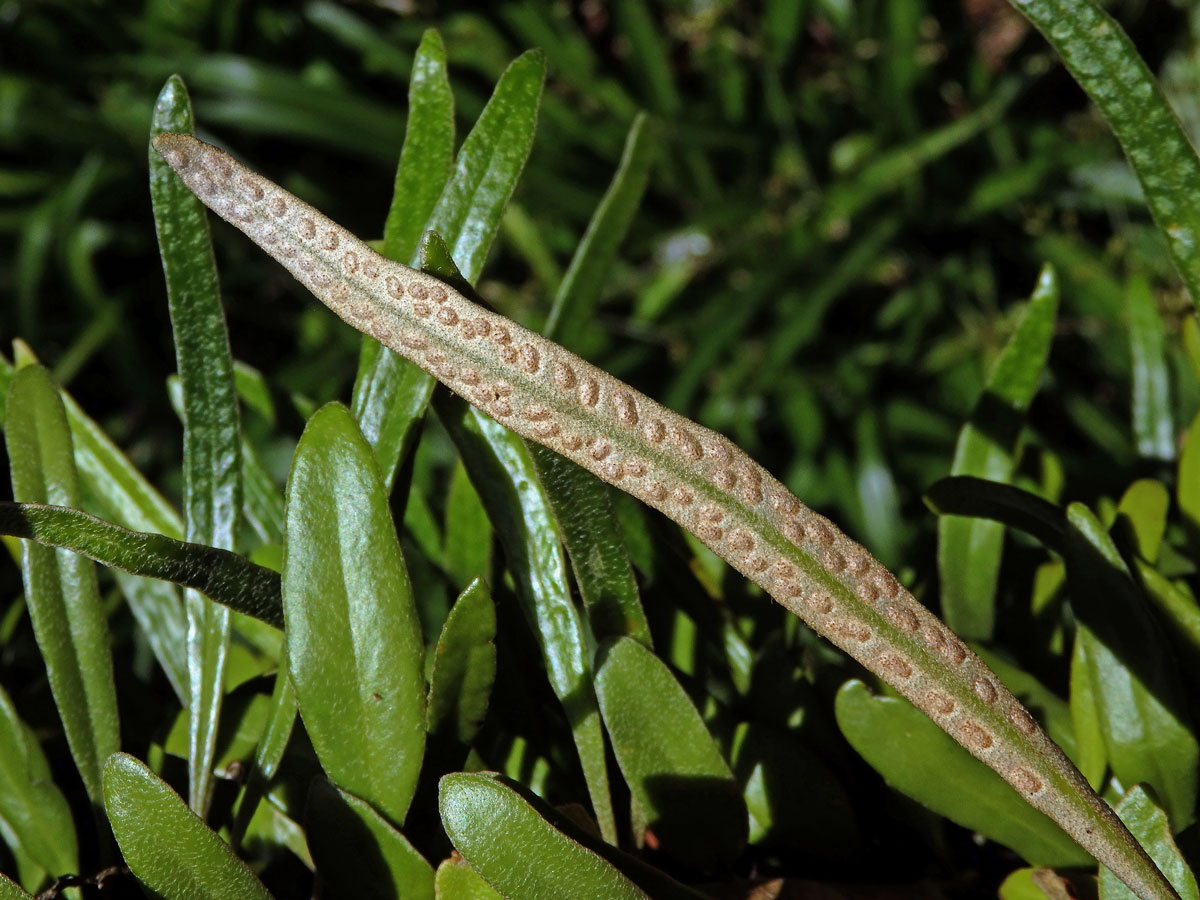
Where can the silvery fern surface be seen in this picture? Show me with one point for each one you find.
(693, 475)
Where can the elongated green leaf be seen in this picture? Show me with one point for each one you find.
(10, 890)
(517, 851)
(592, 536)
(1106, 64)
(1176, 604)
(581, 286)
(695, 476)
(168, 847)
(969, 549)
(115, 489)
(353, 638)
(1153, 423)
(225, 577)
(272, 743)
(390, 393)
(502, 470)
(679, 781)
(464, 666)
(920, 761)
(1188, 480)
(211, 435)
(1148, 823)
(358, 853)
(60, 587)
(1091, 755)
(34, 815)
(467, 537)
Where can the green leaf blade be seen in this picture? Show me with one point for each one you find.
(354, 642)
(211, 429)
(61, 588)
(167, 846)
(464, 666)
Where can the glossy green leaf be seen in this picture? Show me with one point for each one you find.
(517, 851)
(225, 577)
(920, 761)
(212, 496)
(591, 533)
(113, 488)
(969, 550)
(502, 470)
(353, 638)
(358, 854)
(167, 846)
(1153, 422)
(455, 880)
(1091, 754)
(60, 587)
(580, 288)
(677, 776)
(1106, 64)
(34, 815)
(390, 393)
(1148, 823)
(464, 666)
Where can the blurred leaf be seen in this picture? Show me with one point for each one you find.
(358, 853)
(1153, 424)
(1188, 480)
(353, 638)
(1104, 61)
(34, 815)
(676, 774)
(517, 851)
(61, 590)
(921, 761)
(969, 550)
(576, 298)
(170, 849)
(225, 577)
(1091, 753)
(464, 666)
(1149, 825)
(211, 434)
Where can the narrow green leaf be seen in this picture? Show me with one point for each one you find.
(1153, 422)
(272, 743)
(167, 846)
(1148, 823)
(34, 815)
(353, 638)
(211, 434)
(112, 487)
(517, 851)
(1187, 490)
(10, 890)
(581, 286)
(502, 470)
(969, 550)
(1102, 58)
(1176, 604)
(464, 666)
(60, 587)
(455, 880)
(225, 577)
(1091, 754)
(582, 505)
(358, 854)
(390, 393)
(920, 761)
(678, 779)
(467, 537)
